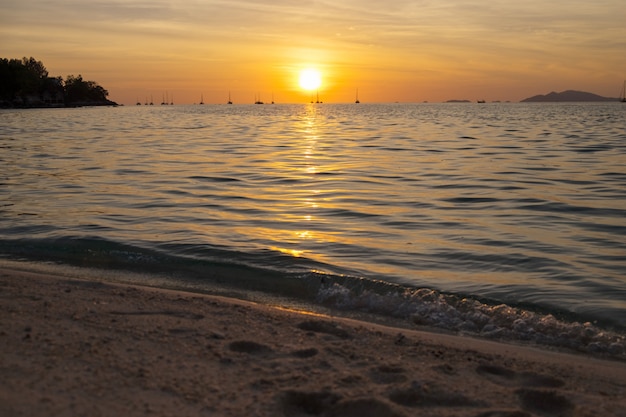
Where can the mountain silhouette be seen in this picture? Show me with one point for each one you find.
(569, 95)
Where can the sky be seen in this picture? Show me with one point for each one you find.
(400, 50)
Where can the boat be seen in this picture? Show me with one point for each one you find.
(357, 97)
(229, 100)
(201, 99)
(622, 96)
(480, 101)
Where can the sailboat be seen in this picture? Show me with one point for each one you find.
(201, 99)
(357, 97)
(229, 100)
(622, 96)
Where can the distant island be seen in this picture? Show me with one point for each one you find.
(565, 96)
(24, 83)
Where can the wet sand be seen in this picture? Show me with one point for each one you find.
(70, 347)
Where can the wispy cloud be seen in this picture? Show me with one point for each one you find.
(496, 38)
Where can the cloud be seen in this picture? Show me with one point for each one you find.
(497, 38)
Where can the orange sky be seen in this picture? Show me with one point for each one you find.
(407, 51)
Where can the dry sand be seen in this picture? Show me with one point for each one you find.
(81, 348)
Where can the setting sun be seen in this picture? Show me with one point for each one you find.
(310, 79)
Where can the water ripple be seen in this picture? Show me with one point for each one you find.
(503, 201)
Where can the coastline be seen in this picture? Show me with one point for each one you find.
(36, 105)
(76, 347)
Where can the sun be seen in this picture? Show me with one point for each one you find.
(310, 79)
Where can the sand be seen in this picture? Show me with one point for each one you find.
(70, 347)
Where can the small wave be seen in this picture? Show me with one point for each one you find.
(205, 268)
(471, 200)
(214, 179)
(555, 207)
(591, 149)
(430, 308)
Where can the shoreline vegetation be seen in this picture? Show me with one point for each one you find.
(25, 83)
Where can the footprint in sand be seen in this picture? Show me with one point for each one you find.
(249, 347)
(320, 326)
(508, 377)
(545, 403)
(506, 413)
(430, 395)
(541, 402)
(309, 403)
(329, 404)
(364, 407)
(386, 374)
(305, 353)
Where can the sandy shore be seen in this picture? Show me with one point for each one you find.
(79, 348)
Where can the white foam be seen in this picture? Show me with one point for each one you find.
(427, 307)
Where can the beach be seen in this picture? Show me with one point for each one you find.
(72, 347)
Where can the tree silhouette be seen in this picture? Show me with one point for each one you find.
(20, 79)
(79, 91)
(26, 83)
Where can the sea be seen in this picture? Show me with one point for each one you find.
(504, 221)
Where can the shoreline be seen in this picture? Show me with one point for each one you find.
(75, 347)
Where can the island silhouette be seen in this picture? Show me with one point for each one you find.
(553, 97)
(567, 96)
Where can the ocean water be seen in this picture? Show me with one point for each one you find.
(501, 220)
